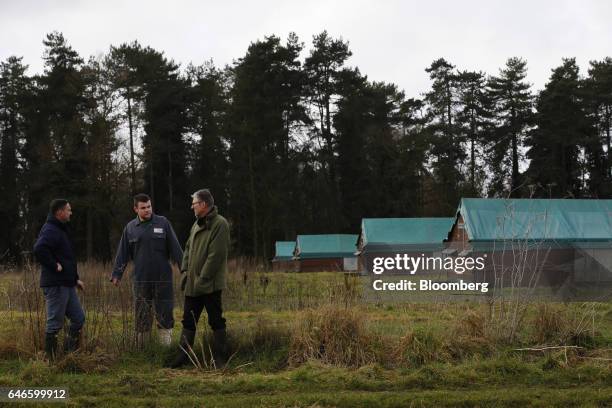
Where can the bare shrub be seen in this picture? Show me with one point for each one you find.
(565, 324)
(518, 261)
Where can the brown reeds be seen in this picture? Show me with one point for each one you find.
(332, 335)
(327, 323)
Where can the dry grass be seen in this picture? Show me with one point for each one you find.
(81, 362)
(555, 324)
(415, 349)
(548, 324)
(294, 319)
(332, 335)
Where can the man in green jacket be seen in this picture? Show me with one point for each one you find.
(203, 271)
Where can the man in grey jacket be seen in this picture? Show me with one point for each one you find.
(149, 241)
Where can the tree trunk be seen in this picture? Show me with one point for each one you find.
(151, 174)
(89, 234)
(170, 189)
(608, 168)
(473, 154)
(132, 163)
(253, 203)
(515, 159)
(515, 169)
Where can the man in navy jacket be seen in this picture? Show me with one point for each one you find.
(150, 243)
(59, 278)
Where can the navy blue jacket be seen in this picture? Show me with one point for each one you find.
(51, 247)
(150, 245)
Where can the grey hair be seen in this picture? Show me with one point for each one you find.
(204, 195)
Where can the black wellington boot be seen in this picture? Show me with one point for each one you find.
(186, 343)
(72, 341)
(220, 348)
(51, 346)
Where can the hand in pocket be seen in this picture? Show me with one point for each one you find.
(183, 281)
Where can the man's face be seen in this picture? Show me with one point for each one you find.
(199, 207)
(144, 210)
(63, 214)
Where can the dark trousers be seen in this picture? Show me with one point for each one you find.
(194, 306)
(149, 296)
(62, 302)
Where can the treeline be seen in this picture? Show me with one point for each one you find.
(288, 140)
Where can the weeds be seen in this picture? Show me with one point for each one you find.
(295, 318)
(332, 335)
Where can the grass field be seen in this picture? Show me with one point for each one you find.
(309, 340)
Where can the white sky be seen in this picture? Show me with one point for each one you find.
(392, 41)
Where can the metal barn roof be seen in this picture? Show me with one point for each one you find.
(325, 246)
(569, 220)
(283, 250)
(393, 233)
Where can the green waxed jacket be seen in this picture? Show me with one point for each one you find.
(204, 263)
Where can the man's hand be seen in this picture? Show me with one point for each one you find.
(59, 267)
(115, 281)
(80, 285)
(183, 280)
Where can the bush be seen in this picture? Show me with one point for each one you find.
(332, 335)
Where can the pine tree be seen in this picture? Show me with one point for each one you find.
(474, 122)
(351, 122)
(562, 128)
(165, 124)
(446, 140)
(125, 67)
(108, 181)
(14, 89)
(512, 109)
(207, 112)
(598, 149)
(323, 68)
(411, 166)
(266, 110)
(57, 162)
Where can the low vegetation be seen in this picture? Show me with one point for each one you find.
(310, 340)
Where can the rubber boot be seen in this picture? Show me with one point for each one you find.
(186, 344)
(51, 346)
(165, 336)
(72, 341)
(220, 348)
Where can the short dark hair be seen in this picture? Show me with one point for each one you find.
(204, 195)
(141, 198)
(56, 205)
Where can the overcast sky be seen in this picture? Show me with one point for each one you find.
(392, 41)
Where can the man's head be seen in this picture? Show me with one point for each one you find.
(202, 202)
(142, 206)
(60, 209)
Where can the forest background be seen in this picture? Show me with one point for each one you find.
(289, 138)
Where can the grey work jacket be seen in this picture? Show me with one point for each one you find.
(150, 245)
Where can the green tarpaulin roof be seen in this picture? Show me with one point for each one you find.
(284, 250)
(537, 219)
(394, 232)
(326, 246)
